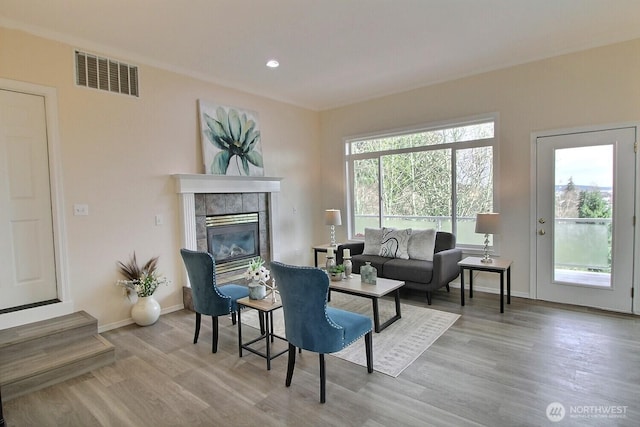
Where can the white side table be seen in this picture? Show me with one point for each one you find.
(499, 265)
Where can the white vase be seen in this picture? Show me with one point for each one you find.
(146, 311)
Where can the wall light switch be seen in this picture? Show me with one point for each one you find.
(79, 209)
(159, 219)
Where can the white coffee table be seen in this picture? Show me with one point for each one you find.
(353, 286)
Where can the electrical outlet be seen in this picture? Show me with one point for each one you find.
(80, 210)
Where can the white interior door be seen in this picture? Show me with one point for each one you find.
(27, 261)
(585, 218)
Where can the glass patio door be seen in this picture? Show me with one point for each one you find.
(584, 218)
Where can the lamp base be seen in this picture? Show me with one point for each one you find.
(332, 237)
(485, 258)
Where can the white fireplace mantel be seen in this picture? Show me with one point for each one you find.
(194, 183)
(187, 185)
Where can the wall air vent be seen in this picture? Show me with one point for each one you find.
(106, 74)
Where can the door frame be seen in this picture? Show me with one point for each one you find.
(533, 293)
(65, 306)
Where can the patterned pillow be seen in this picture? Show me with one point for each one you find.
(422, 243)
(372, 239)
(395, 243)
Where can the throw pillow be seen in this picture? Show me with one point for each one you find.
(422, 243)
(372, 239)
(395, 243)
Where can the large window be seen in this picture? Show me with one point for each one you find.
(432, 177)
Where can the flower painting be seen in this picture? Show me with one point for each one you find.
(230, 141)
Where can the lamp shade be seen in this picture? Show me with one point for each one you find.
(488, 223)
(332, 217)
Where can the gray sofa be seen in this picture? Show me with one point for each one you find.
(417, 274)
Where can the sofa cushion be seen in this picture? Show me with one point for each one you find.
(408, 270)
(372, 241)
(444, 241)
(395, 243)
(422, 244)
(375, 260)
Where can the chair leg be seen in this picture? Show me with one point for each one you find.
(214, 344)
(429, 298)
(233, 317)
(198, 318)
(323, 379)
(448, 289)
(291, 364)
(368, 345)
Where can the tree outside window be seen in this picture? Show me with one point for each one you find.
(419, 179)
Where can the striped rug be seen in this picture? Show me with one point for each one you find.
(396, 347)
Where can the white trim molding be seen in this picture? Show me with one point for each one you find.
(65, 306)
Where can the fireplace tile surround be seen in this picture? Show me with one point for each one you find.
(207, 204)
(202, 195)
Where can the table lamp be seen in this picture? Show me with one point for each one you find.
(487, 223)
(332, 218)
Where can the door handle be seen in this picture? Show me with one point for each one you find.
(542, 232)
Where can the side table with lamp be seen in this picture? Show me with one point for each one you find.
(487, 223)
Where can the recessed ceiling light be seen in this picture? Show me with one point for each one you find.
(272, 63)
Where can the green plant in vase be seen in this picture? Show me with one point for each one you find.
(337, 272)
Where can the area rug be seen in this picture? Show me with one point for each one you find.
(397, 346)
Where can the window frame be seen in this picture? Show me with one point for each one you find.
(453, 146)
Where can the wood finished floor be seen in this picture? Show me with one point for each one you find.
(489, 369)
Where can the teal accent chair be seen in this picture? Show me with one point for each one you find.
(310, 324)
(208, 298)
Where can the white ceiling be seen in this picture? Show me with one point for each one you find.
(332, 52)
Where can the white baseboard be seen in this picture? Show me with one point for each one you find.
(129, 321)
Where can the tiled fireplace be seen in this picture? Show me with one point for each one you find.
(231, 204)
(233, 227)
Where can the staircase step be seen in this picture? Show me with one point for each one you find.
(19, 341)
(54, 364)
(44, 353)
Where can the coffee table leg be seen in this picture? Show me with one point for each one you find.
(376, 315)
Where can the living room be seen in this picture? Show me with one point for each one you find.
(117, 154)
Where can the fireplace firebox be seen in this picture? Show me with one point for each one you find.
(232, 239)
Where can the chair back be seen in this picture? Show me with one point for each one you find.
(201, 269)
(304, 292)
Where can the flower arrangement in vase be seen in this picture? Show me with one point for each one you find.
(258, 276)
(143, 282)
